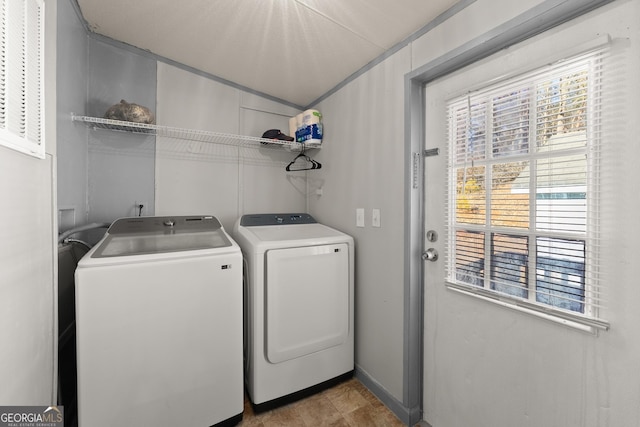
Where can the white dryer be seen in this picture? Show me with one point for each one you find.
(299, 301)
(159, 325)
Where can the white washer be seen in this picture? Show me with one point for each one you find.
(298, 305)
(159, 325)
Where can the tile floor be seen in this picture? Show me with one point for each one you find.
(348, 404)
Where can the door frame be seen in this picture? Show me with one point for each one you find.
(546, 15)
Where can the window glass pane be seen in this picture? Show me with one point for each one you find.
(561, 107)
(561, 198)
(511, 123)
(560, 277)
(509, 264)
(470, 130)
(510, 195)
(471, 195)
(470, 257)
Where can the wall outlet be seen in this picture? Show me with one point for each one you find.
(360, 217)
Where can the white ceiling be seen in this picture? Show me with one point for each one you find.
(293, 50)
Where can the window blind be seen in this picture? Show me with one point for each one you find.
(524, 189)
(21, 75)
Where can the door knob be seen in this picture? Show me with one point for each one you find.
(430, 255)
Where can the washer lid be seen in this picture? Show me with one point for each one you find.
(141, 244)
(154, 235)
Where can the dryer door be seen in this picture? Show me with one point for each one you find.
(306, 300)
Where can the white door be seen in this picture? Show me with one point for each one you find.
(434, 228)
(479, 367)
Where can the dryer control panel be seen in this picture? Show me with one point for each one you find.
(276, 219)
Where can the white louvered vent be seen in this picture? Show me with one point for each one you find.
(21, 75)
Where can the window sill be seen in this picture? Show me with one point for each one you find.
(571, 320)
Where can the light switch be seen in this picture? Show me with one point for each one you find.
(360, 217)
(375, 218)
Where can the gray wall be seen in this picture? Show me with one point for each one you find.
(121, 165)
(223, 180)
(28, 326)
(72, 82)
(363, 163)
(101, 174)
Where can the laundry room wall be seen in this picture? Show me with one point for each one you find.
(363, 162)
(73, 48)
(28, 323)
(121, 164)
(101, 173)
(224, 180)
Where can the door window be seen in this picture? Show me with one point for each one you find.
(523, 188)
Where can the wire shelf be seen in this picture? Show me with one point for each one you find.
(187, 134)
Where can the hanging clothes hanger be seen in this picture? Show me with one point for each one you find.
(305, 164)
